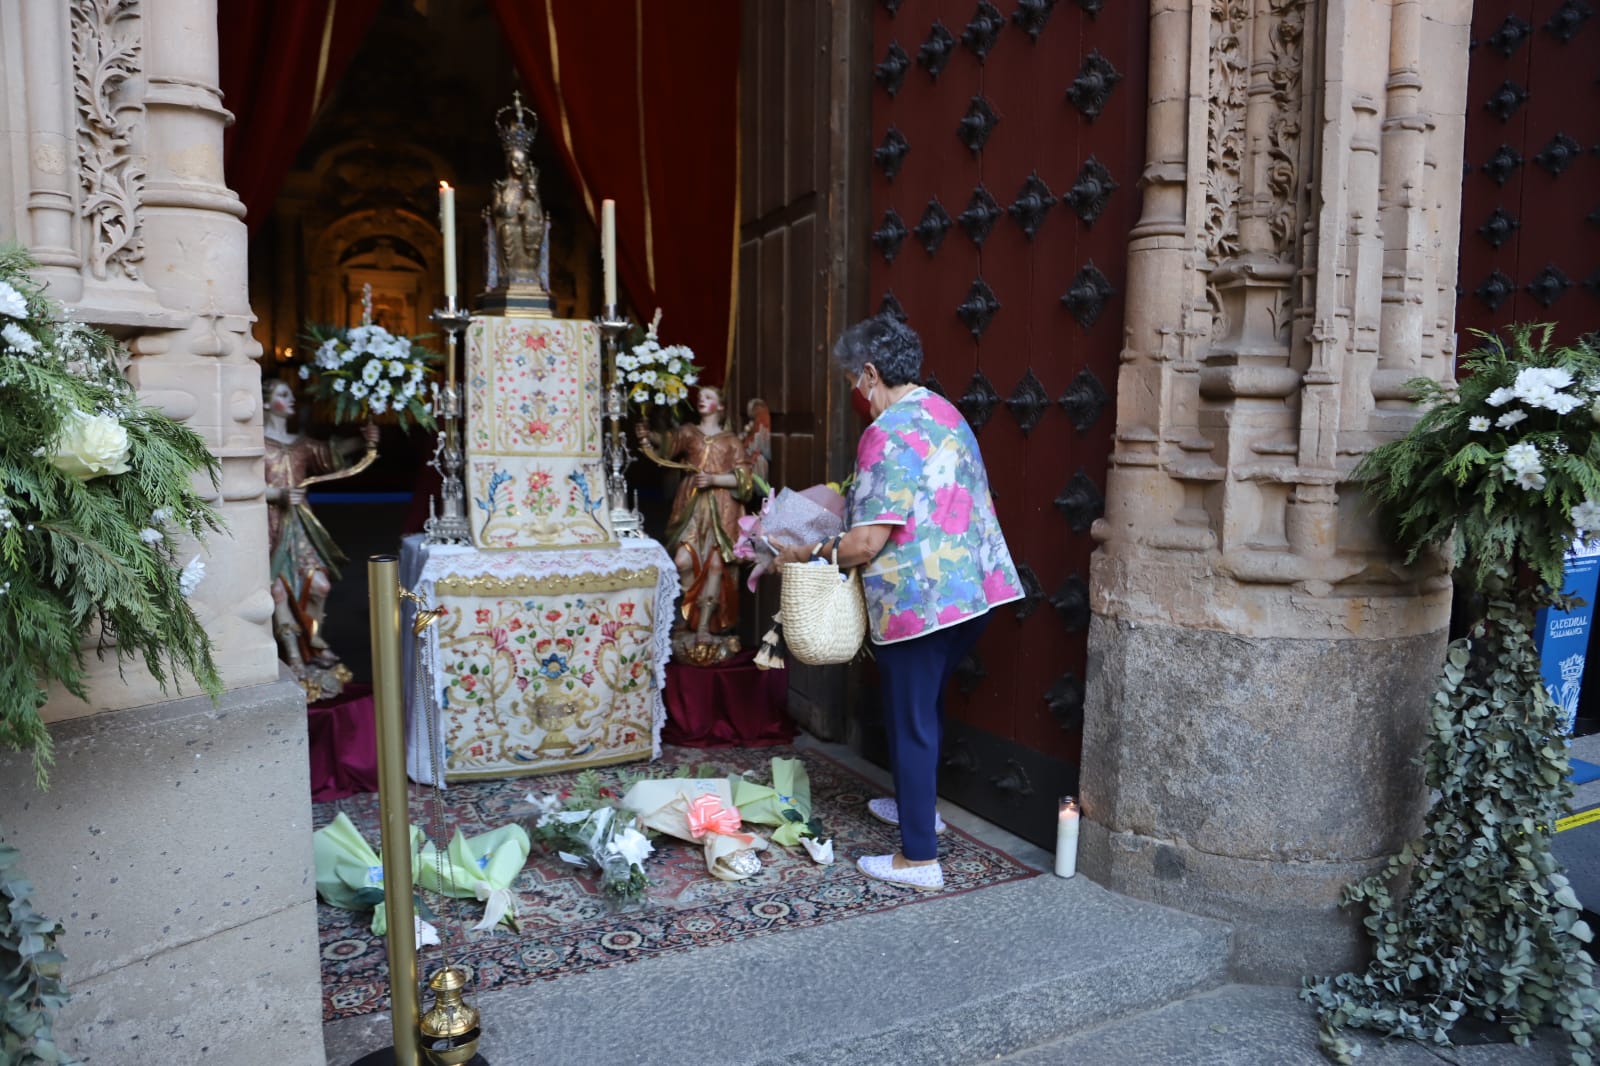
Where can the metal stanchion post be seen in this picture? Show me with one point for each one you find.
(383, 599)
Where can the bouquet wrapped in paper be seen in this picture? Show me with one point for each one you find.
(785, 803)
(699, 811)
(482, 866)
(349, 872)
(589, 828)
(790, 517)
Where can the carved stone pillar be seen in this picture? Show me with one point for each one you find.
(164, 265)
(1259, 658)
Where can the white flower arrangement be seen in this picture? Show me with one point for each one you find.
(656, 376)
(1507, 460)
(367, 371)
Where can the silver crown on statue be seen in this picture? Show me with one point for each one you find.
(516, 133)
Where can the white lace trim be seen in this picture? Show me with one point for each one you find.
(631, 554)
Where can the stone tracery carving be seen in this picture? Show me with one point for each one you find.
(1287, 54)
(1225, 127)
(106, 53)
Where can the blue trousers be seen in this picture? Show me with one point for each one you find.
(914, 674)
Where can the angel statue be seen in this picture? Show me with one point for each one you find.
(305, 560)
(721, 470)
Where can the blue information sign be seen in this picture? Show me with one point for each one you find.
(1563, 641)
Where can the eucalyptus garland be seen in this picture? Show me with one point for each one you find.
(96, 492)
(1475, 918)
(31, 990)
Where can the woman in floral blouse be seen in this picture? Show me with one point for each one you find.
(934, 563)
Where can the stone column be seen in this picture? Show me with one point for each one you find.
(1260, 659)
(164, 265)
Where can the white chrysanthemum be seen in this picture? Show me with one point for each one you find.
(360, 335)
(1532, 378)
(409, 389)
(661, 399)
(12, 302)
(19, 339)
(1478, 423)
(358, 389)
(1586, 517)
(159, 515)
(371, 372)
(328, 354)
(1523, 456)
(151, 536)
(1500, 397)
(1510, 418)
(382, 388)
(194, 572)
(1565, 403)
(690, 379)
(397, 369)
(378, 404)
(305, 372)
(1531, 480)
(338, 384)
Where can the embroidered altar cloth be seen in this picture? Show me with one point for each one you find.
(544, 660)
(533, 441)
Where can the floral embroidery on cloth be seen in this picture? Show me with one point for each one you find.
(918, 468)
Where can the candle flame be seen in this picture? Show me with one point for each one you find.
(444, 186)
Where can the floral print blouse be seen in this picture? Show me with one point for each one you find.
(918, 468)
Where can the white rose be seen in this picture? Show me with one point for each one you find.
(91, 445)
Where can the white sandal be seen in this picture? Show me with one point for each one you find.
(928, 877)
(886, 809)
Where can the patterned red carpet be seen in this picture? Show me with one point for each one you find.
(567, 927)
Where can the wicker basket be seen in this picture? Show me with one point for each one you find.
(824, 612)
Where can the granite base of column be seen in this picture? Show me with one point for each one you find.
(1250, 779)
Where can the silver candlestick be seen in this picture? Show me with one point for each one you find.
(447, 513)
(625, 520)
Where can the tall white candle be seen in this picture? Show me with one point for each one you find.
(608, 248)
(1067, 838)
(447, 226)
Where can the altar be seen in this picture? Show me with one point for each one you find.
(542, 661)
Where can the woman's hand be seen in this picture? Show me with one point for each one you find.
(796, 553)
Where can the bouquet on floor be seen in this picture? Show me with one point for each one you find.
(590, 828)
(699, 811)
(480, 867)
(785, 802)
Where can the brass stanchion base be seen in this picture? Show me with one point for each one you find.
(385, 1057)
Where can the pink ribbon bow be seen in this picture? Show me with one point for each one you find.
(708, 815)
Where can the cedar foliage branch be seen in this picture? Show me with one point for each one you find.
(1475, 918)
(80, 559)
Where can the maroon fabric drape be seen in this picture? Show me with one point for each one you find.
(643, 101)
(343, 742)
(734, 704)
(270, 52)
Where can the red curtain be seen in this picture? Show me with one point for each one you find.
(280, 60)
(643, 101)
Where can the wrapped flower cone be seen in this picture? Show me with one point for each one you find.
(699, 811)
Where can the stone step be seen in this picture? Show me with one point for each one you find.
(954, 980)
(1249, 1025)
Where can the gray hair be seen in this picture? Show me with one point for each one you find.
(887, 343)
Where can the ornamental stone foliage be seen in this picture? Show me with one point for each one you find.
(1475, 918)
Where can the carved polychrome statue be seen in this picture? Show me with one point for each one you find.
(305, 560)
(704, 525)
